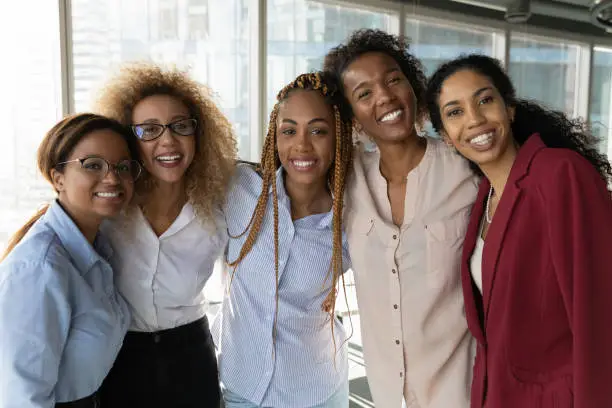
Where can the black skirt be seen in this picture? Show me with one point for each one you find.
(171, 368)
(93, 401)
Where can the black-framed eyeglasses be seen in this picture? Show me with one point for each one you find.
(151, 131)
(127, 170)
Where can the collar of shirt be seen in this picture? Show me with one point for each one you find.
(81, 251)
(315, 221)
(185, 217)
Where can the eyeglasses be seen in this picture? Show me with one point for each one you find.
(151, 131)
(127, 170)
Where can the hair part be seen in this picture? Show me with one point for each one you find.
(337, 176)
(554, 127)
(366, 41)
(58, 144)
(208, 177)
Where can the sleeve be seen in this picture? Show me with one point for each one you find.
(580, 233)
(35, 318)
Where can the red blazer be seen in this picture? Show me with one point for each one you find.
(544, 321)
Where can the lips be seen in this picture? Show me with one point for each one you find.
(303, 164)
(391, 116)
(169, 157)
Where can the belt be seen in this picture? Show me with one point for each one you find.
(93, 401)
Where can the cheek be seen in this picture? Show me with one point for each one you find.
(78, 185)
(146, 151)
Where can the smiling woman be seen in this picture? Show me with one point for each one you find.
(188, 151)
(536, 259)
(56, 293)
(407, 207)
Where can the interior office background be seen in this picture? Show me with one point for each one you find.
(56, 54)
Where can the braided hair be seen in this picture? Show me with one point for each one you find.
(270, 162)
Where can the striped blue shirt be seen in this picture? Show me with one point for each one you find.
(61, 321)
(300, 369)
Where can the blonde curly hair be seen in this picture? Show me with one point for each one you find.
(208, 177)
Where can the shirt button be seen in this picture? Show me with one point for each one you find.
(394, 236)
(397, 342)
(395, 306)
(393, 271)
(401, 374)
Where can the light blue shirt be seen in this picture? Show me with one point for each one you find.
(61, 320)
(300, 369)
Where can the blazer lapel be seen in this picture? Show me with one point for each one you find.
(472, 297)
(497, 230)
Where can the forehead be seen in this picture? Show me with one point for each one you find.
(463, 84)
(159, 107)
(104, 143)
(304, 105)
(367, 66)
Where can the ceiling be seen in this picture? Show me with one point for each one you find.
(565, 15)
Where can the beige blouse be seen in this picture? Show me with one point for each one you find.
(416, 342)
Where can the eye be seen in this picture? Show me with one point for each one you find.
(486, 99)
(124, 167)
(318, 131)
(288, 131)
(454, 112)
(394, 80)
(363, 94)
(148, 129)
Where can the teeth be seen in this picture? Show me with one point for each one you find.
(482, 139)
(303, 163)
(169, 158)
(108, 195)
(391, 115)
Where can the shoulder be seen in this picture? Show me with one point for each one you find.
(38, 262)
(551, 164)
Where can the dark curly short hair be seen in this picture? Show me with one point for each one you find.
(372, 40)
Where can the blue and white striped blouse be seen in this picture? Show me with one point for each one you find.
(300, 369)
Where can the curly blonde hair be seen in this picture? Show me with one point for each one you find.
(208, 177)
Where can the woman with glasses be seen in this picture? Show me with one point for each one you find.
(61, 320)
(165, 247)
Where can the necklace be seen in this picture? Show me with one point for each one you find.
(489, 218)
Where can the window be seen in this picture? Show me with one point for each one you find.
(435, 42)
(210, 38)
(545, 70)
(601, 94)
(31, 106)
(300, 32)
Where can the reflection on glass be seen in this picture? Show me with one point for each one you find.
(300, 32)
(435, 43)
(31, 106)
(209, 37)
(601, 92)
(545, 71)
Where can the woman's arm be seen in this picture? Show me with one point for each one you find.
(580, 233)
(34, 322)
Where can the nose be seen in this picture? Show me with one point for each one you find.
(384, 96)
(111, 177)
(167, 137)
(475, 117)
(304, 142)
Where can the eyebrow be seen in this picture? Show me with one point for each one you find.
(173, 119)
(477, 93)
(362, 83)
(310, 122)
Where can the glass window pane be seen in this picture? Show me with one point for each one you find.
(435, 43)
(545, 71)
(31, 106)
(209, 37)
(300, 32)
(601, 92)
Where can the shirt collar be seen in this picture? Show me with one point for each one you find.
(316, 221)
(82, 253)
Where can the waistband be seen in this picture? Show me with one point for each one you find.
(93, 401)
(194, 331)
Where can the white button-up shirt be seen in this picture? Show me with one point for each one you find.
(162, 278)
(416, 343)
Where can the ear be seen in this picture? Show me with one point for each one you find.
(511, 113)
(57, 178)
(446, 139)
